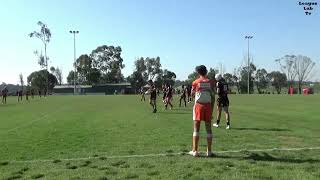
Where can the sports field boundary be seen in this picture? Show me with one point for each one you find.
(159, 155)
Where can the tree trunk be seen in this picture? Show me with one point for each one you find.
(299, 85)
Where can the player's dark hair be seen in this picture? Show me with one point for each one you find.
(202, 70)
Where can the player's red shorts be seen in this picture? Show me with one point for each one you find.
(202, 112)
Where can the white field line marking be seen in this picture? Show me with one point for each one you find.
(43, 116)
(163, 154)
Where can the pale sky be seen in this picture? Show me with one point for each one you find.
(184, 33)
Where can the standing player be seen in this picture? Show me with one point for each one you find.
(4, 95)
(183, 96)
(158, 91)
(40, 93)
(142, 92)
(169, 94)
(27, 95)
(203, 88)
(222, 101)
(164, 90)
(189, 93)
(153, 96)
(20, 93)
(32, 93)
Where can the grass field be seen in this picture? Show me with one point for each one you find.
(117, 137)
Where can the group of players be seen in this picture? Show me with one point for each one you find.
(203, 91)
(168, 92)
(5, 92)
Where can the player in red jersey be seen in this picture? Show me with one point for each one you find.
(203, 89)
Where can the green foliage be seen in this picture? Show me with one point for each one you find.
(109, 61)
(191, 77)
(103, 65)
(297, 67)
(87, 74)
(212, 73)
(52, 69)
(278, 80)
(70, 78)
(150, 68)
(41, 59)
(153, 67)
(229, 79)
(93, 77)
(244, 79)
(38, 80)
(136, 80)
(168, 77)
(261, 80)
(58, 74)
(45, 36)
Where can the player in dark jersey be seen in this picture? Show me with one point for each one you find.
(4, 95)
(222, 101)
(153, 96)
(189, 94)
(32, 93)
(183, 96)
(169, 95)
(142, 92)
(27, 95)
(20, 93)
(40, 93)
(164, 89)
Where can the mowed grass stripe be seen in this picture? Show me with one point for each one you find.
(202, 154)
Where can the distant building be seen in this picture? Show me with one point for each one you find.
(121, 88)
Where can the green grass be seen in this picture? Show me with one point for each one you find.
(38, 136)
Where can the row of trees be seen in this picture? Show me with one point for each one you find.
(104, 65)
(299, 68)
(294, 69)
(150, 68)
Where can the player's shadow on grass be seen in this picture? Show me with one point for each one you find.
(260, 129)
(269, 158)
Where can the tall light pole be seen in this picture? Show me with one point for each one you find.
(248, 37)
(74, 54)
